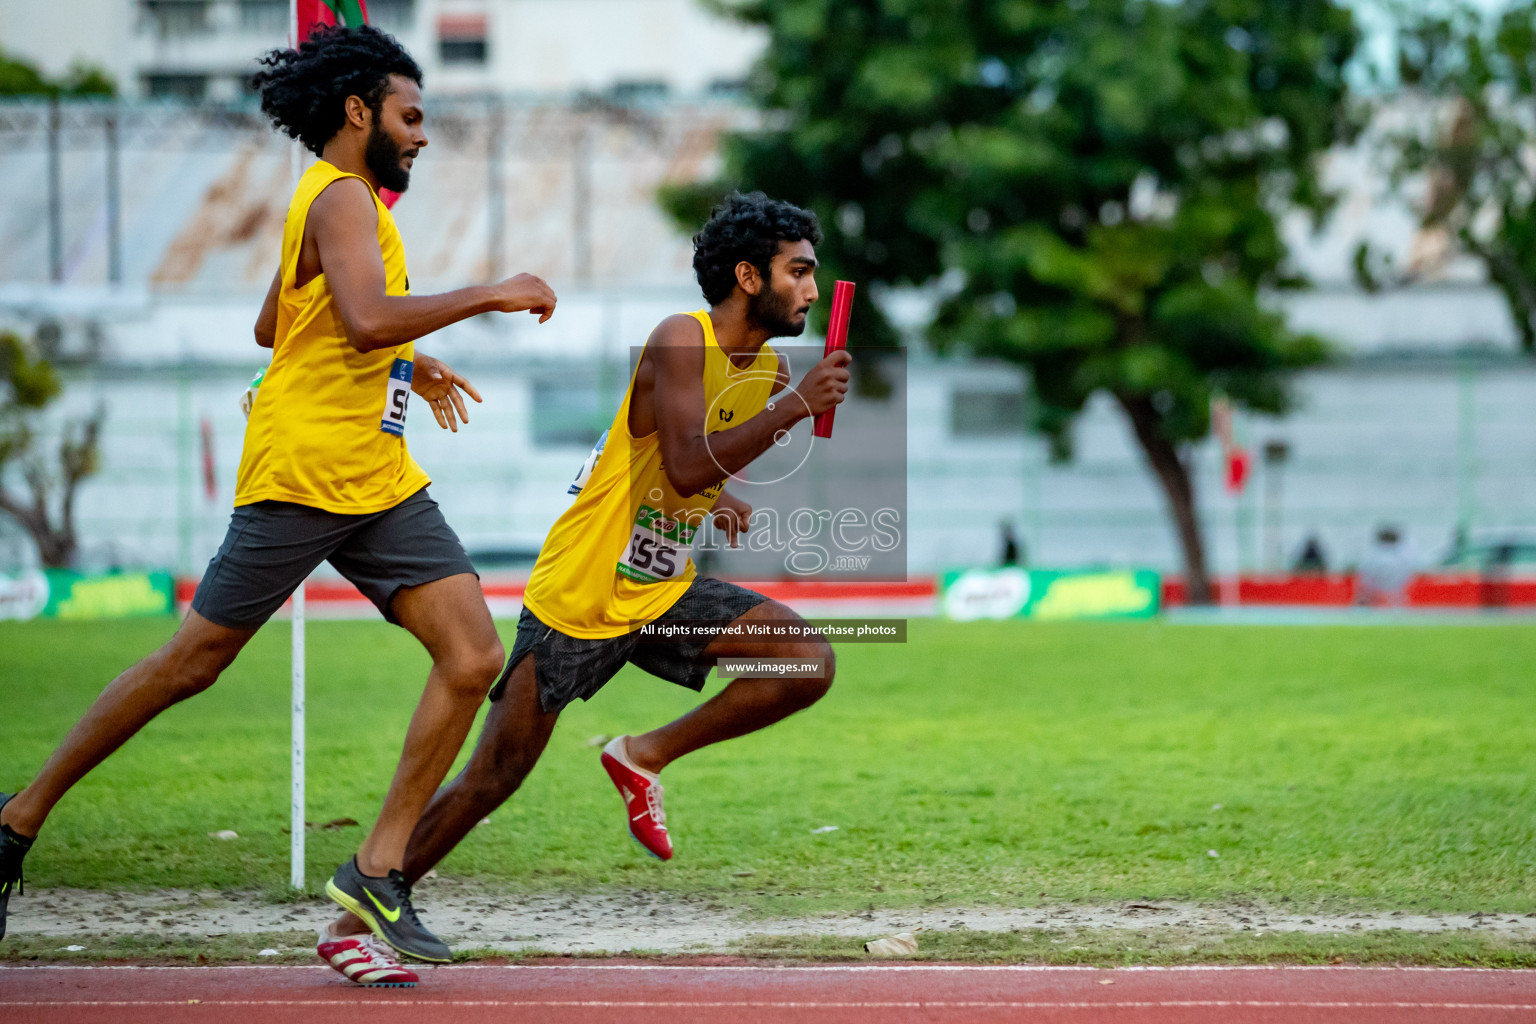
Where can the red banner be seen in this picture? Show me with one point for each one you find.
(325, 12)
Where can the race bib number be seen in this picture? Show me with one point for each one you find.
(658, 547)
(397, 394)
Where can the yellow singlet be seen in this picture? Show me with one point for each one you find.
(618, 558)
(328, 426)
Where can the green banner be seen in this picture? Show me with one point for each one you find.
(1050, 595)
(60, 594)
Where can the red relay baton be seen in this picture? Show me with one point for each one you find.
(837, 338)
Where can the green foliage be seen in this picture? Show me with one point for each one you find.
(1106, 175)
(21, 78)
(1472, 74)
(978, 765)
(1097, 184)
(26, 385)
(88, 80)
(29, 384)
(18, 78)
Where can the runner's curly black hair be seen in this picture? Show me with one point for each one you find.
(304, 91)
(746, 227)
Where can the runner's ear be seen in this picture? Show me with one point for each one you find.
(358, 113)
(748, 277)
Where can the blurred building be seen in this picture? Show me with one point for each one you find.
(205, 49)
(137, 240)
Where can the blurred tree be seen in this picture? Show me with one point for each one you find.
(1469, 79)
(19, 78)
(1094, 184)
(27, 386)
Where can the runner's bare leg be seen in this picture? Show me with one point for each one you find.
(189, 663)
(450, 618)
(516, 730)
(745, 705)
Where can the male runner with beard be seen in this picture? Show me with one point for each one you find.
(325, 476)
(699, 409)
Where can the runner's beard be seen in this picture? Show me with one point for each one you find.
(383, 159)
(775, 313)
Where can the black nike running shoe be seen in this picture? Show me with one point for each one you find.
(13, 848)
(384, 904)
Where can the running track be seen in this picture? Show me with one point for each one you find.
(567, 994)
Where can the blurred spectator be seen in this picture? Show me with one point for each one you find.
(1312, 560)
(1495, 576)
(1386, 570)
(1012, 552)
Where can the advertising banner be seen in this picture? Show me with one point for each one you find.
(60, 594)
(1050, 595)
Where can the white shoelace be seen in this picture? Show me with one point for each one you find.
(380, 956)
(653, 804)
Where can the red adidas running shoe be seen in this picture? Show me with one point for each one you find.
(642, 792)
(364, 960)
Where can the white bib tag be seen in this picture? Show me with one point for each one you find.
(397, 394)
(658, 547)
(585, 472)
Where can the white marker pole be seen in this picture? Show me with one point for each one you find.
(296, 846)
(296, 810)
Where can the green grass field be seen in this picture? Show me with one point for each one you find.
(977, 764)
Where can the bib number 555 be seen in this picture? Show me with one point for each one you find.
(646, 554)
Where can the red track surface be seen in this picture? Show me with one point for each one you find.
(772, 995)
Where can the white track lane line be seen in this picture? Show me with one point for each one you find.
(637, 1004)
(805, 968)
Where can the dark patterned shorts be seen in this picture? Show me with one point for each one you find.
(569, 667)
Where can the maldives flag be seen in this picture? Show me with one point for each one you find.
(309, 14)
(350, 13)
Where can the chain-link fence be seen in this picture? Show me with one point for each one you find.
(190, 199)
(136, 241)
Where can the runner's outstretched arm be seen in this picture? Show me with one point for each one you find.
(433, 380)
(343, 230)
(676, 355)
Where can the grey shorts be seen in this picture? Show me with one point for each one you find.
(272, 546)
(568, 667)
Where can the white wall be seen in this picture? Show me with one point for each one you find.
(568, 45)
(535, 46)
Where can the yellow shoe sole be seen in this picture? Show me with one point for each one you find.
(351, 906)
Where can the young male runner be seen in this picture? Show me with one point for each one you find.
(700, 407)
(325, 474)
